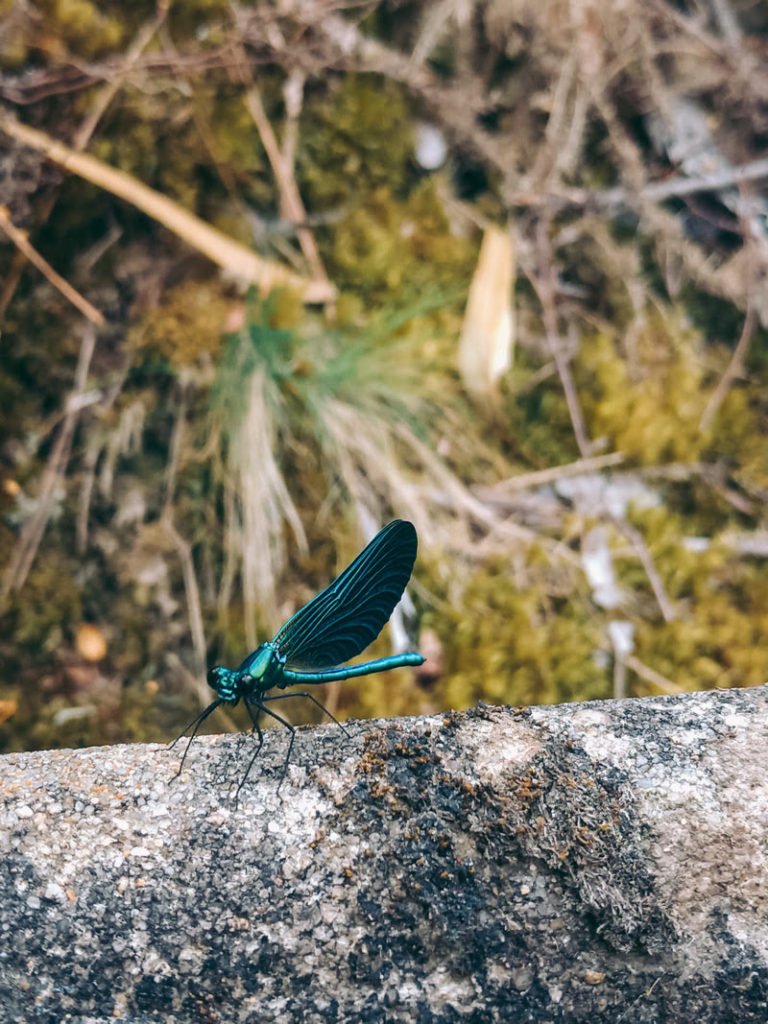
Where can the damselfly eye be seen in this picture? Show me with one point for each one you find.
(213, 676)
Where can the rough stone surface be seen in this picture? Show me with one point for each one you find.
(587, 862)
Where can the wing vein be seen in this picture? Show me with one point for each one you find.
(348, 615)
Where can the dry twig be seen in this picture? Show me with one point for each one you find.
(734, 369)
(24, 246)
(84, 134)
(650, 675)
(543, 282)
(666, 607)
(292, 207)
(237, 260)
(542, 477)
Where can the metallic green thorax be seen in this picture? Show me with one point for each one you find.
(261, 671)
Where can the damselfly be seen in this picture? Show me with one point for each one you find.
(337, 624)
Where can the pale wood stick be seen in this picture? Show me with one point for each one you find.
(236, 259)
(23, 244)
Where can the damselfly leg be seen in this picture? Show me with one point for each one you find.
(259, 706)
(323, 708)
(196, 723)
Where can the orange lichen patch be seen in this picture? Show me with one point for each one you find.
(90, 642)
(594, 977)
(8, 709)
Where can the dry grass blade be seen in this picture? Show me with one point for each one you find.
(53, 477)
(370, 453)
(544, 285)
(124, 439)
(94, 447)
(194, 606)
(263, 503)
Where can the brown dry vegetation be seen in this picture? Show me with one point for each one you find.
(238, 334)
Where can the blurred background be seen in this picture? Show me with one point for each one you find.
(274, 274)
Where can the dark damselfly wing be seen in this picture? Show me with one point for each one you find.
(349, 614)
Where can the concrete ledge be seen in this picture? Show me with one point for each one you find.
(586, 862)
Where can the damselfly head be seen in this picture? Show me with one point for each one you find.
(224, 681)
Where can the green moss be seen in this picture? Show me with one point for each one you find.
(642, 386)
(14, 49)
(50, 604)
(651, 410)
(356, 137)
(229, 132)
(737, 436)
(685, 572)
(719, 635)
(539, 432)
(194, 18)
(86, 28)
(388, 250)
(187, 325)
(517, 645)
(721, 638)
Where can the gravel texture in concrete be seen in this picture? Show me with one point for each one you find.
(586, 862)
